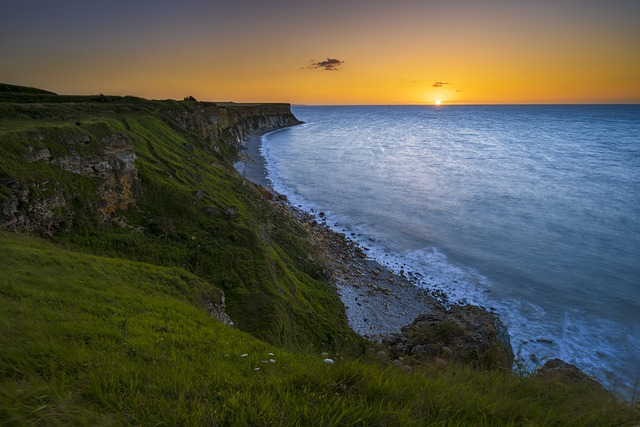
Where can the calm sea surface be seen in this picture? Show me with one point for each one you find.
(532, 211)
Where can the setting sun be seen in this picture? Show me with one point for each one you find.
(538, 52)
(438, 102)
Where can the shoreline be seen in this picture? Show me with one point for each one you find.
(377, 301)
(251, 164)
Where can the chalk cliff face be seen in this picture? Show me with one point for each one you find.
(232, 123)
(112, 167)
(104, 162)
(46, 206)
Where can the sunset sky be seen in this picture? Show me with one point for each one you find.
(327, 52)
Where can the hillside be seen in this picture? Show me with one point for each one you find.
(130, 243)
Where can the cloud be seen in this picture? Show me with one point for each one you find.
(439, 84)
(330, 64)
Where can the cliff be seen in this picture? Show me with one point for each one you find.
(231, 122)
(153, 242)
(107, 159)
(72, 168)
(153, 181)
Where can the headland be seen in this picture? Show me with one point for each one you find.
(130, 245)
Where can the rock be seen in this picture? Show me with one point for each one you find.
(216, 309)
(112, 165)
(231, 212)
(328, 361)
(566, 373)
(463, 334)
(42, 154)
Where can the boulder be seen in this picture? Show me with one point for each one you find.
(463, 334)
(565, 373)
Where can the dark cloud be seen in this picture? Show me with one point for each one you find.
(330, 64)
(439, 84)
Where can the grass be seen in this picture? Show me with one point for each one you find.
(106, 324)
(195, 213)
(90, 340)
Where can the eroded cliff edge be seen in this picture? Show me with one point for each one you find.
(84, 166)
(102, 159)
(153, 182)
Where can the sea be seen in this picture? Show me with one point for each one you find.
(531, 211)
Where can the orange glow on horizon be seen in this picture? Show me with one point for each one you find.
(457, 52)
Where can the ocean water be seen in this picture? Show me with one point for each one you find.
(530, 211)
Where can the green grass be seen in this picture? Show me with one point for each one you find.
(106, 324)
(89, 340)
(196, 213)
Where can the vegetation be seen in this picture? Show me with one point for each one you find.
(102, 341)
(7, 88)
(107, 323)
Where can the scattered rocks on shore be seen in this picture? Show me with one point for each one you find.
(377, 301)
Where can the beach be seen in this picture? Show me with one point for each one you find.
(377, 301)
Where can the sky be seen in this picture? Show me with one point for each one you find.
(329, 51)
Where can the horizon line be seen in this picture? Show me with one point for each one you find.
(445, 104)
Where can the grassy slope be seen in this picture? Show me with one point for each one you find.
(102, 341)
(125, 339)
(229, 235)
